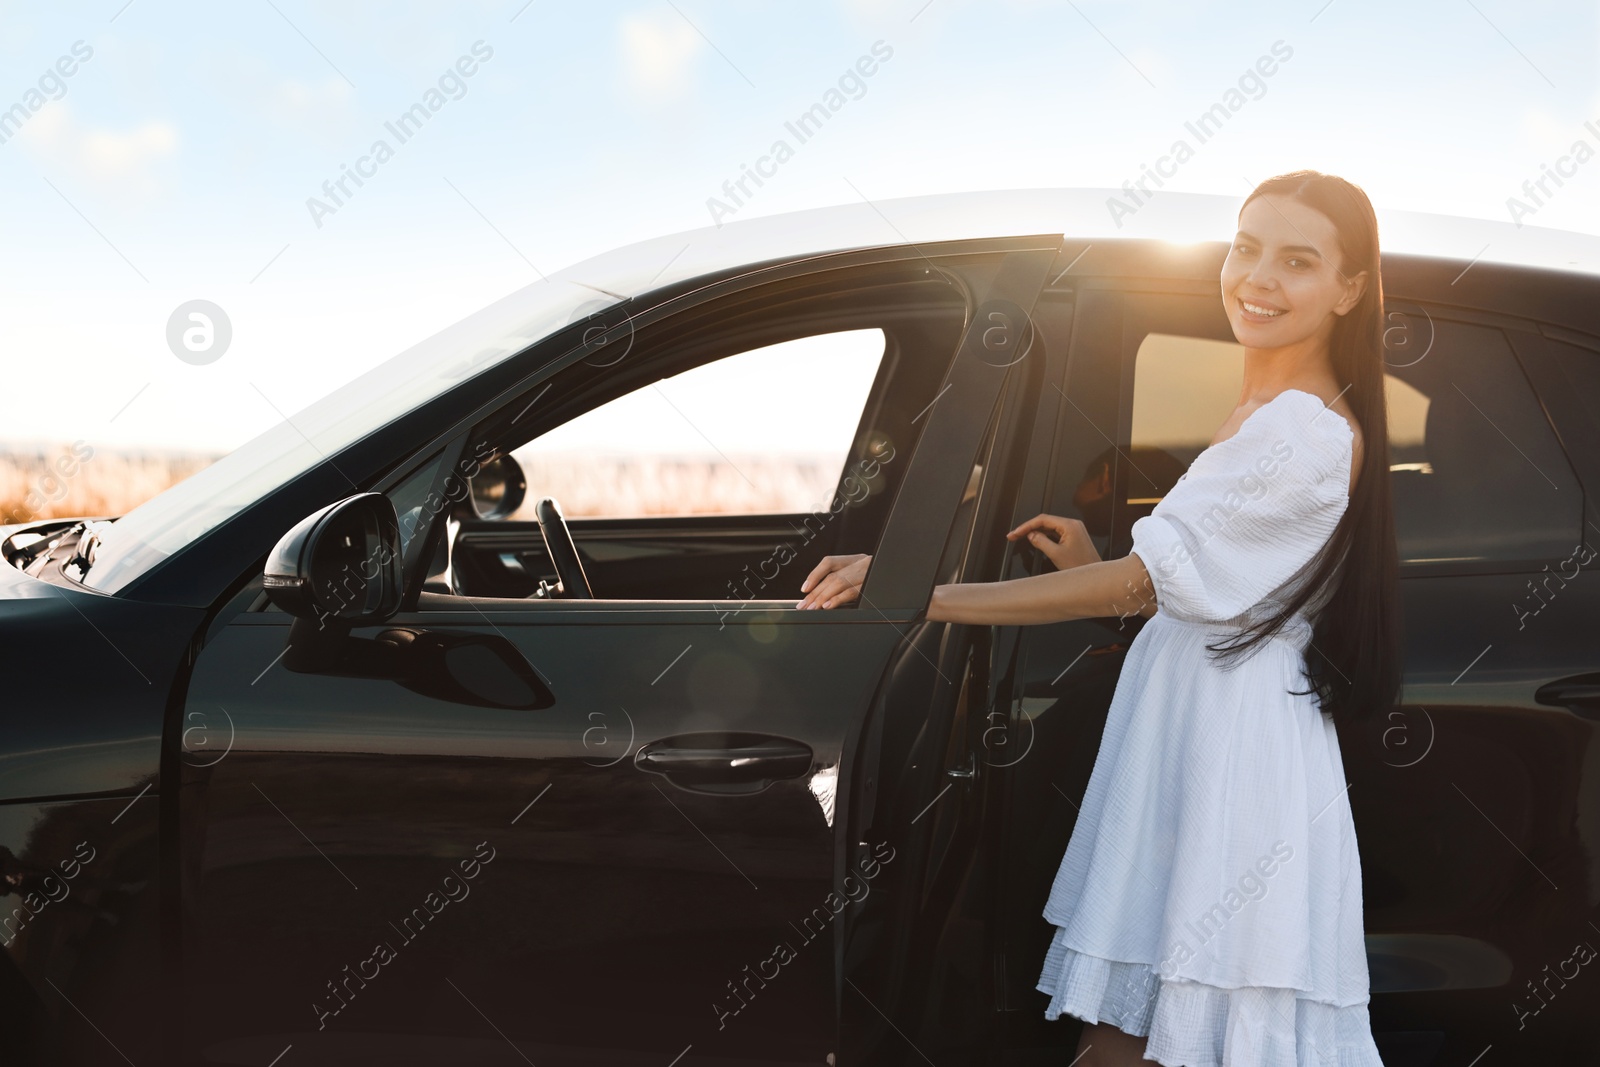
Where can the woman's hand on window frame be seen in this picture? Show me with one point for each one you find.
(834, 582)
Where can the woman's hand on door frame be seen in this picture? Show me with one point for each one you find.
(1065, 542)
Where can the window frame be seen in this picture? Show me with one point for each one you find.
(960, 269)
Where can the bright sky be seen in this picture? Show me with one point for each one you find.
(175, 161)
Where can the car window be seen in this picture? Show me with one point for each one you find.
(1478, 474)
(765, 431)
(415, 500)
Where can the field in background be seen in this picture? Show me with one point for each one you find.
(61, 480)
(587, 484)
(57, 481)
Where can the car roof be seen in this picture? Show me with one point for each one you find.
(1077, 213)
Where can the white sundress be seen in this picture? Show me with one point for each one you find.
(1210, 896)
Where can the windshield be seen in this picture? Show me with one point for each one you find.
(155, 529)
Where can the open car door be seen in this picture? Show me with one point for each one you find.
(607, 830)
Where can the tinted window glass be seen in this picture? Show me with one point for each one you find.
(1477, 472)
(416, 500)
(1583, 370)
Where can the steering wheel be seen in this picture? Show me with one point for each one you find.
(563, 553)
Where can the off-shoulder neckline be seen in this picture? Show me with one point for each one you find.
(1342, 421)
(1350, 434)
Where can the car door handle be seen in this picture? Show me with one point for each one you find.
(1579, 694)
(716, 762)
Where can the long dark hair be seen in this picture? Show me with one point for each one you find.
(1355, 660)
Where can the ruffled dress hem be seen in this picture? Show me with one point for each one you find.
(1191, 1024)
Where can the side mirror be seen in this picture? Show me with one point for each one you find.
(339, 568)
(341, 563)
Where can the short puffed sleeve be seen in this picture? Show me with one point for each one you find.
(1250, 512)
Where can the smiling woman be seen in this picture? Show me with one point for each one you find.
(1203, 766)
(1267, 546)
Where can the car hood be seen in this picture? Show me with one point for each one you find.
(88, 680)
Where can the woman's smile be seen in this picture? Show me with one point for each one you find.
(1261, 310)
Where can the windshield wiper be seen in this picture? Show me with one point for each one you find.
(88, 540)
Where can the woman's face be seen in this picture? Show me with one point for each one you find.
(1281, 283)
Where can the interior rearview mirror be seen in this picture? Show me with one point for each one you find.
(499, 488)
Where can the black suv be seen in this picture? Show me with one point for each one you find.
(320, 757)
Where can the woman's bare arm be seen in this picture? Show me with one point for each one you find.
(1117, 587)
